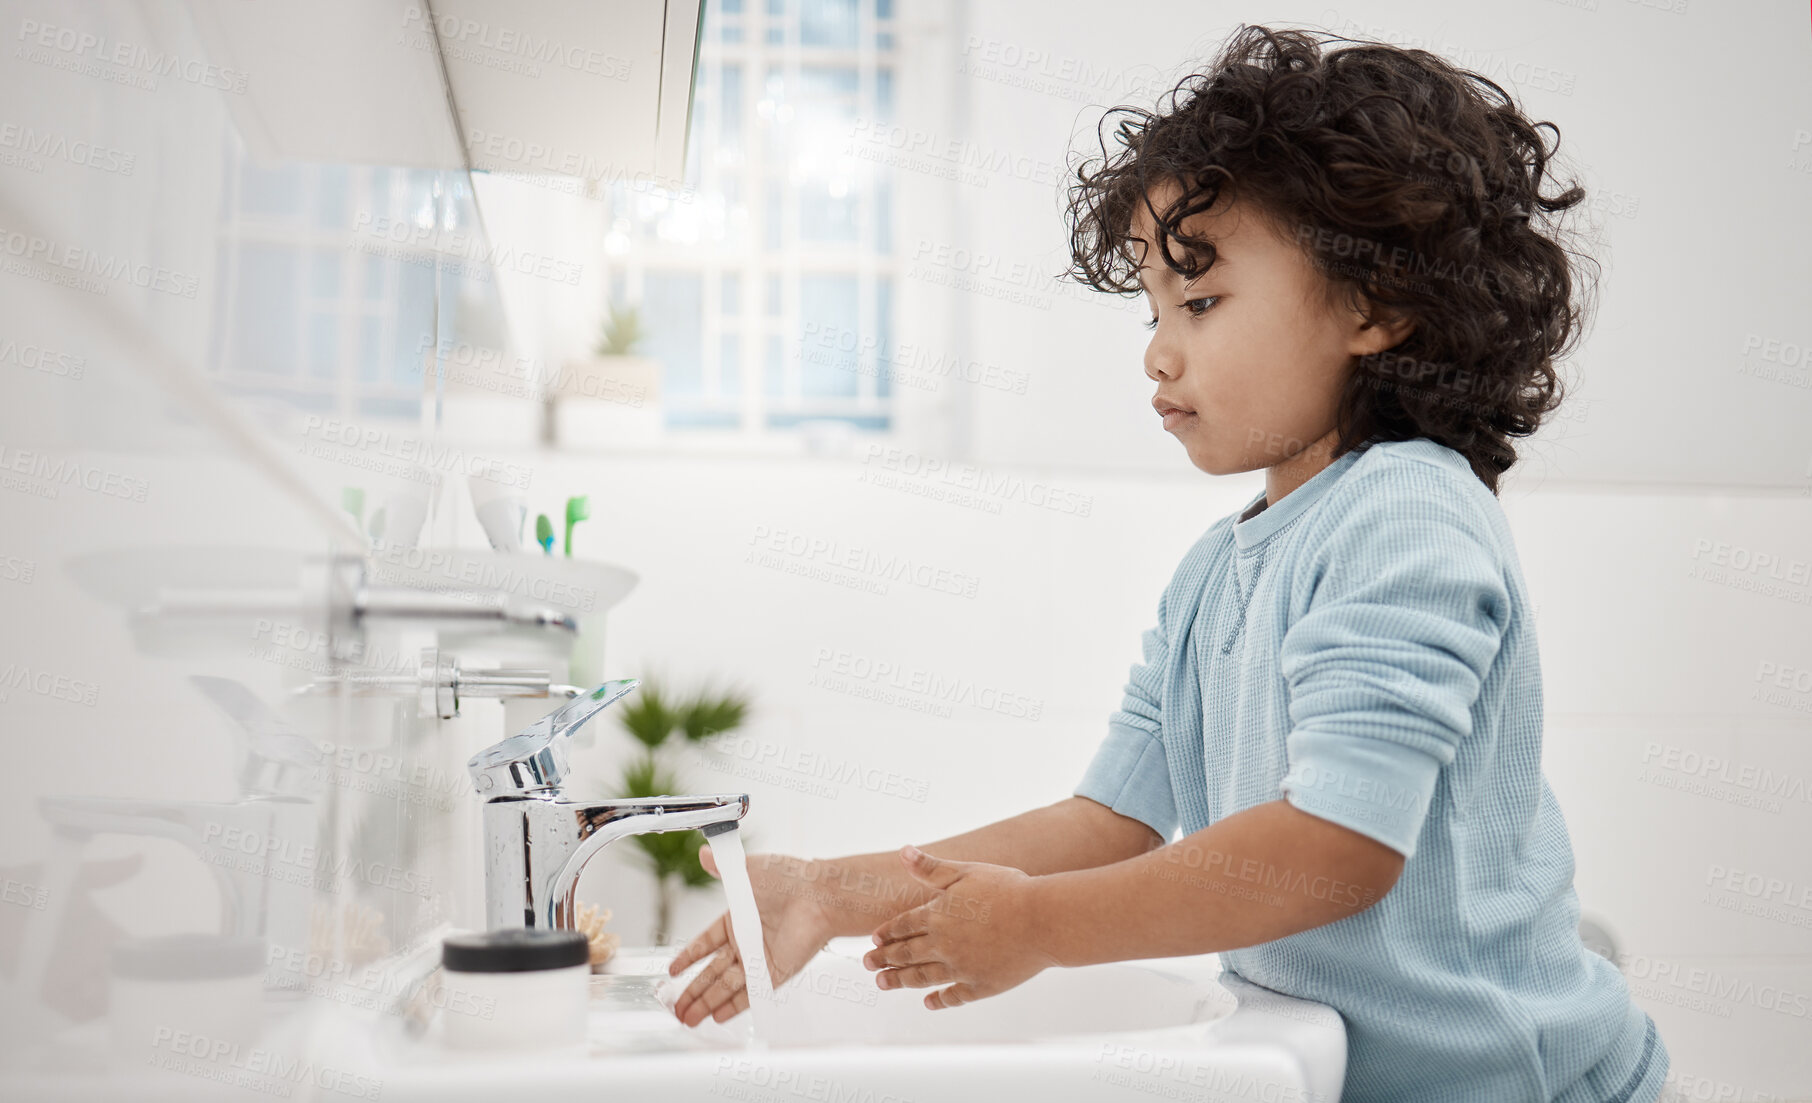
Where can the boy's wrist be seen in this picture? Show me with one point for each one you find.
(1049, 918)
(853, 894)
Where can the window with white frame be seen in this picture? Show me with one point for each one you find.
(331, 293)
(766, 289)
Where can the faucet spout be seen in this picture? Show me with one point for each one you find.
(537, 846)
(538, 840)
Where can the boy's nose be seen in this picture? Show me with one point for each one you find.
(1162, 361)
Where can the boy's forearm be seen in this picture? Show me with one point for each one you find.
(1258, 875)
(860, 891)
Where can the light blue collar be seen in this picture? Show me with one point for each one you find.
(1250, 534)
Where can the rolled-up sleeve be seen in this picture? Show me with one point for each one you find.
(1129, 773)
(1407, 611)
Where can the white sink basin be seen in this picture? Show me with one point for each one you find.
(1171, 1028)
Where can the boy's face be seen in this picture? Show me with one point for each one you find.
(1252, 351)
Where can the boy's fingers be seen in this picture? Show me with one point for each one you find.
(936, 872)
(954, 996)
(734, 1008)
(707, 941)
(917, 976)
(723, 993)
(702, 983)
(720, 992)
(697, 1002)
(725, 955)
(907, 924)
(908, 951)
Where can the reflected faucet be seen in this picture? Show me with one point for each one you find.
(537, 841)
(260, 847)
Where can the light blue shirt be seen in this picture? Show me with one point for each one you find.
(1363, 649)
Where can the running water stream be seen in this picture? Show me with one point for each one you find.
(745, 925)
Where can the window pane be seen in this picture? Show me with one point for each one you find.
(825, 215)
(266, 329)
(371, 349)
(884, 95)
(333, 190)
(270, 193)
(414, 322)
(875, 422)
(324, 273)
(377, 272)
(883, 354)
(699, 418)
(377, 197)
(774, 216)
(323, 344)
(774, 368)
(884, 215)
(670, 305)
(827, 305)
(730, 94)
(829, 85)
(827, 23)
(729, 365)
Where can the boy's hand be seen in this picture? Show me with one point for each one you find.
(793, 929)
(978, 934)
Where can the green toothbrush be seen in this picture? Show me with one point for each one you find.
(352, 500)
(577, 509)
(544, 533)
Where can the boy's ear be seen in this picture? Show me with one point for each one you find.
(1379, 329)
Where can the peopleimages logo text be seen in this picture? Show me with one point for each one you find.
(466, 247)
(319, 432)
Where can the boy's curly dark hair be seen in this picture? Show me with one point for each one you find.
(1410, 183)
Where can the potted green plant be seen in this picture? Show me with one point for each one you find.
(614, 396)
(653, 719)
(622, 332)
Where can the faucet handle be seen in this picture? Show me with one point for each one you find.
(276, 760)
(535, 758)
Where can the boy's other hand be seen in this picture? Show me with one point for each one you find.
(978, 934)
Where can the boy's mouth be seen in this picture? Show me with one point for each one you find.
(1174, 415)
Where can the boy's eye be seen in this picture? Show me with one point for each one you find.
(1195, 307)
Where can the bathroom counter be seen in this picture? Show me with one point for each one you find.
(1174, 1027)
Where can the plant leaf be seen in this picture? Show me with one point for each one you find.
(675, 853)
(622, 332)
(645, 778)
(647, 716)
(709, 716)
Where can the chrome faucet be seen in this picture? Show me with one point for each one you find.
(537, 841)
